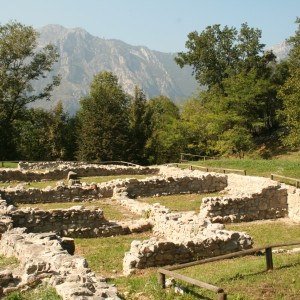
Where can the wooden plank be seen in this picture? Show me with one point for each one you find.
(226, 256)
(192, 281)
(275, 175)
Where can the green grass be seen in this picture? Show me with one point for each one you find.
(10, 262)
(41, 292)
(112, 210)
(183, 202)
(257, 167)
(105, 255)
(8, 164)
(269, 232)
(242, 278)
(247, 278)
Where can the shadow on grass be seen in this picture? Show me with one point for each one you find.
(239, 276)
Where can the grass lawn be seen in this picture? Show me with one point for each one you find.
(8, 164)
(105, 255)
(41, 292)
(241, 278)
(112, 210)
(8, 262)
(257, 167)
(183, 202)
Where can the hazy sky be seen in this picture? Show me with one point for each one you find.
(161, 25)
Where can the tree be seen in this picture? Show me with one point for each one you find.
(138, 127)
(20, 65)
(166, 139)
(240, 100)
(45, 135)
(290, 92)
(216, 53)
(103, 121)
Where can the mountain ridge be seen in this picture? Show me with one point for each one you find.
(83, 55)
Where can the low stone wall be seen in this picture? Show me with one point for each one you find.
(148, 187)
(24, 165)
(178, 241)
(82, 171)
(74, 222)
(293, 200)
(194, 183)
(249, 198)
(60, 193)
(42, 257)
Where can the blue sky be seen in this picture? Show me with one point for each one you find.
(161, 25)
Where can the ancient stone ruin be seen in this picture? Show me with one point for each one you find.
(42, 239)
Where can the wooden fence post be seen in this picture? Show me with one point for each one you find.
(162, 280)
(222, 296)
(269, 259)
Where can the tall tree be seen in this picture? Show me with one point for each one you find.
(240, 99)
(138, 127)
(45, 135)
(166, 139)
(216, 53)
(290, 92)
(103, 121)
(21, 63)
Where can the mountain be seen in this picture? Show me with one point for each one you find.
(83, 55)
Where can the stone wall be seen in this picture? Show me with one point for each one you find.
(42, 257)
(58, 194)
(246, 199)
(293, 203)
(82, 171)
(24, 165)
(180, 238)
(148, 187)
(75, 222)
(194, 183)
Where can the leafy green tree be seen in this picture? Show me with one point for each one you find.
(31, 135)
(21, 63)
(103, 121)
(138, 127)
(45, 135)
(195, 121)
(290, 92)
(216, 53)
(166, 139)
(240, 100)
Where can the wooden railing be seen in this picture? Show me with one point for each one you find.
(199, 157)
(223, 170)
(297, 181)
(169, 271)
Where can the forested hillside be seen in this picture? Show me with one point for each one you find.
(250, 104)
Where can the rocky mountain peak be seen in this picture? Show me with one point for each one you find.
(83, 55)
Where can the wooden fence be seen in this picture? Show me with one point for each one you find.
(169, 271)
(207, 169)
(183, 157)
(297, 181)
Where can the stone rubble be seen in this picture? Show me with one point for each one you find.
(42, 258)
(177, 237)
